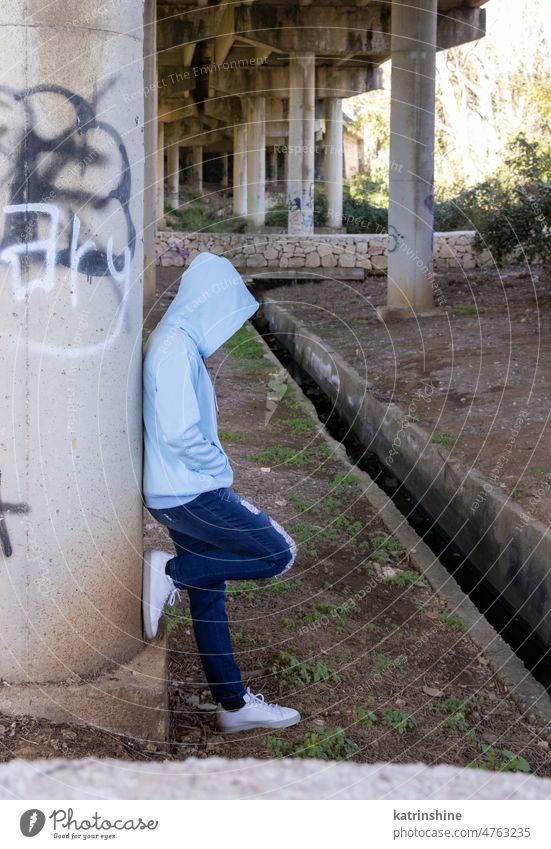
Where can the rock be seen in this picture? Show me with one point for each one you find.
(328, 261)
(324, 249)
(313, 260)
(347, 260)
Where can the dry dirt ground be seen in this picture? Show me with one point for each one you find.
(378, 667)
(478, 374)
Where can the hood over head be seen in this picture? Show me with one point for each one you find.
(212, 302)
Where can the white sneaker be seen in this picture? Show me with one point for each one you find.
(158, 589)
(257, 713)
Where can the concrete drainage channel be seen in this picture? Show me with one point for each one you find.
(490, 564)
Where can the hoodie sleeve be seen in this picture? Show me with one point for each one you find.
(178, 413)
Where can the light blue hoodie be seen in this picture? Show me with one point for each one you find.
(183, 455)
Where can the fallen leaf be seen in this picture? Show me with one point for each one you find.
(433, 691)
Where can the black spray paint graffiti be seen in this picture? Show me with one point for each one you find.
(65, 184)
(7, 507)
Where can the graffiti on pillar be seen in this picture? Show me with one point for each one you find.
(65, 189)
(395, 239)
(8, 507)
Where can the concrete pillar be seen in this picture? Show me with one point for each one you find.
(224, 162)
(71, 287)
(333, 160)
(150, 144)
(173, 169)
(410, 213)
(160, 174)
(272, 167)
(300, 185)
(197, 168)
(240, 170)
(256, 161)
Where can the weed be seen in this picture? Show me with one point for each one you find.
(176, 619)
(382, 546)
(295, 672)
(368, 717)
(323, 608)
(501, 760)
(324, 745)
(289, 623)
(245, 588)
(228, 436)
(345, 480)
(277, 586)
(245, 345)
(452, 621)
(445, 438)
(301, 426)
(467, 309)
(404, 579)
(385, 664)
(458, 710)
(303, 533)
(280, 454)
(301, 504)
(342, 525)
(399, 720)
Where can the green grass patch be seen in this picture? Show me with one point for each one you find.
(324, 745)
(445, 438)
(466, 309)
(404, 579)
(245, 345)
(176, 619)
(229, 436)
(398, 720)
(247, 589)
(281, 455)
(301, 426)
(293, 672)
(345, 481)
(499, 760)
(452, 621)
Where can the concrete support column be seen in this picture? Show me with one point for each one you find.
(256, 161)
(224, 162)
(410, 213)
(300, 185)
(333, 163)
(272, 167)
(160, 174)
(197, 168)
(173, 168)
(71, 291)
(150, 143)
(240, 170)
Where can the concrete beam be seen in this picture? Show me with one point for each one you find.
(274, 82)
(339, 30)
(459, 26)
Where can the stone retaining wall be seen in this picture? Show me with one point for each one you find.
(252, 252)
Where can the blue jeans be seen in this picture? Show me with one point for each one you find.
(220, 536)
